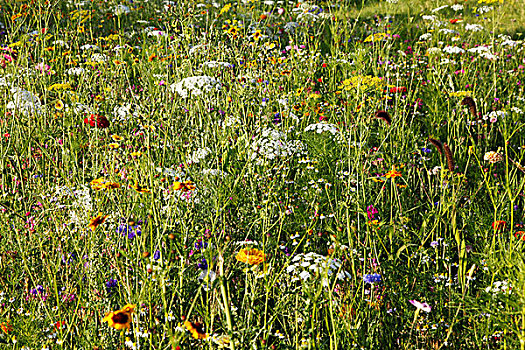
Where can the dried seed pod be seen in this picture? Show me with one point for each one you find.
(469, 102)
(450, 157)
(384, 116)
(437, 144)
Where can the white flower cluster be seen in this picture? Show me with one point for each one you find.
(425, 37)
(457, 7)
(75, 71)
(499, 287)
(322, 127)
(25, 101)
(195, 86)
(230, 121)
(311, 265)
(216, 64)
(273, 144)
(453, 49)
(198, 155)
(124, 112)
(99, 57)
(473, 27)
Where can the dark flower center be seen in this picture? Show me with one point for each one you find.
(121, 318)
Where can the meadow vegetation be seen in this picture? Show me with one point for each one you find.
(262, 174)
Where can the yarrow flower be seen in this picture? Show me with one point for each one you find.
(493, 157)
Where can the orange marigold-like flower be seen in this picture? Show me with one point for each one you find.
(196, 329)
(251, 256)
(393, 173)
(183, 186)
(120, 319)
(97, 220)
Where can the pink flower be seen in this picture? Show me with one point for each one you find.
(421, 306)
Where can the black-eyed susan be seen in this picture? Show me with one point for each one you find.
(97, 220)
(250, 256)
(257, 35)
(113, 145)
(140, 188)
(196, 329)
(59, 105)
(117, 138)
(120, 319)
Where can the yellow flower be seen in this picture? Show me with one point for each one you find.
(120, 319)
(113, 145)
(251, 256)
(183, 186)
(196, 330)
(139, 188)
(393, 173)
(101, 184)
(97, 220)
(117, 138)
(59, 105)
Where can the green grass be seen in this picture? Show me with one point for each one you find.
(122, 183)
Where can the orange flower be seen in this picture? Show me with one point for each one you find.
(97, 220)
(196, 330)
(6, 327)
(140, 188)
(120, 319)
(183, 186)
(393, 173)
(251, 256)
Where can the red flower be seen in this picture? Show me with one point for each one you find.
(455, 20)
(97, 121)
(499, 225)
(398, 89)
(520, 235)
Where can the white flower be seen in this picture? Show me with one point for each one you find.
(453, 49)
(322, 127)
(121, 10)
(304, 275)
(195, 86)
(421, 306)
(198, 155)
(215, 64)
(473, 27)
(425, 36)
(25, 101)
(457, 7)
(75, 71)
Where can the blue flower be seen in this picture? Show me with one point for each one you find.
(156, 255)
(373, 278)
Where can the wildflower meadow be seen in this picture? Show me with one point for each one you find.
(262, 174)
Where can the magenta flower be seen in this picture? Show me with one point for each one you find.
(421, 306)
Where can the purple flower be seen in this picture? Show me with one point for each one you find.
(371, 212)
(373, 278)
(421, 306)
